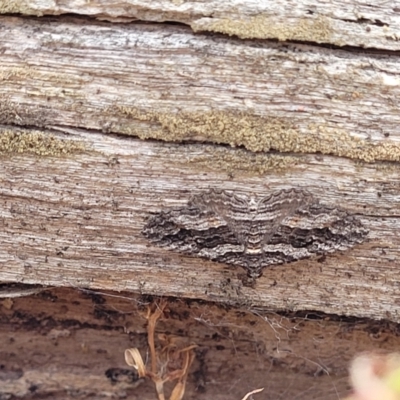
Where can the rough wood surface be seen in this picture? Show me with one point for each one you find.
(73, 201)
(76, 221)
(359, 23)
(69, 344)
(163, 82)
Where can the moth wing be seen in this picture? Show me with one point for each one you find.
(230, 207)
(278, 206)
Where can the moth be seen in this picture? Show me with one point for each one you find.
(255, 232)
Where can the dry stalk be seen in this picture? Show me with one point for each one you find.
(171, 363)
(252, 392)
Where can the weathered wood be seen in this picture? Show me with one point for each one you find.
(341, 23)
(73, 201)
(163, 82)
(76, 221)
(69, 344)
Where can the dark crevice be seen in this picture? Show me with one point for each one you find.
(27, 321)
(366, 21)
(96, 19)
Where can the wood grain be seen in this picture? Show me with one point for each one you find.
(359, 23)
(104, 124)
(76, 221)
(163, 82)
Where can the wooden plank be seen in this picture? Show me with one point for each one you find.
(73, 202)
(163, 82)
(76, 220)
(70, 344)
(340, 23)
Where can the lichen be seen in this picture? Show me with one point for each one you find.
(10, 74)
(38, 143)
(266, 27)
(239, 160)
(16, 7)
(255, 133)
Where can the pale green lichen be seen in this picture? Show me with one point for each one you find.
(239, 160)
(255, 133)
(20, 74)
(266, 27)
(37, 143)
(17, 7)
